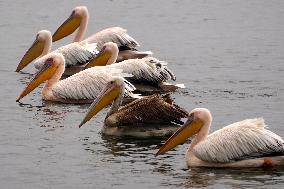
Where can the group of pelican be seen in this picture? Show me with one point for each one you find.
(106, 68)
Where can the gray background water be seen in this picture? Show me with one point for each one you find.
(229, 55)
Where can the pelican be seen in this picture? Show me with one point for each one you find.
(149, 74)
(242, 144)
(82, 87)
(79, 19)
(76, 54)
(145, 117)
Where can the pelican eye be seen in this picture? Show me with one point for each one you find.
(73, 12)
(49, 61)
(152, 61)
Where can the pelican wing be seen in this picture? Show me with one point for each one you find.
(240, 140)
(117, 35)
(87, 84)
(75, 54)
(145, 70)
(151, 109)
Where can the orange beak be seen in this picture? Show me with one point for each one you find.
(34, 51)
(45, 73)
(68, 27)
(100, 60)
(106, 97)
(190, 128)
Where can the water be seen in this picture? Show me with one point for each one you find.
(229, 55)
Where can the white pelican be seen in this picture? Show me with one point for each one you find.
(149, 74)
(79, 19)
(76, 54)
(145, 117)
(82, 87)
(242, 144)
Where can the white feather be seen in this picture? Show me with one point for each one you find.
(237, 141)
(180, 85)
(87, 84)
(74, 53)
(117, 35)
(146, 69)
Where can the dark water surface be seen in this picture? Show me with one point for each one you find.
(230, 55)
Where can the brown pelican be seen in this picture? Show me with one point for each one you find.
(145, 117)
(242, 144)
(76, 54)
(82, 87)
(79, 19)
(149, 74)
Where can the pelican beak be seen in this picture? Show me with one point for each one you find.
(101, 59)
(107, 96)
(34, 51)
(45, 73)
(190, 128)
(68, 27)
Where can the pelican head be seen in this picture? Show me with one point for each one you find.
(197, 118)
(109, 94)
(48, 69)
(40, 46)
(78, 14)
(106, 56)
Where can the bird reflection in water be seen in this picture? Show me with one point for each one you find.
(139, 149)
(47, 114)
(203, 177)
(24, 79)
(128, 145)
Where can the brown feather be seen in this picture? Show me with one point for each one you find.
(148, 110)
